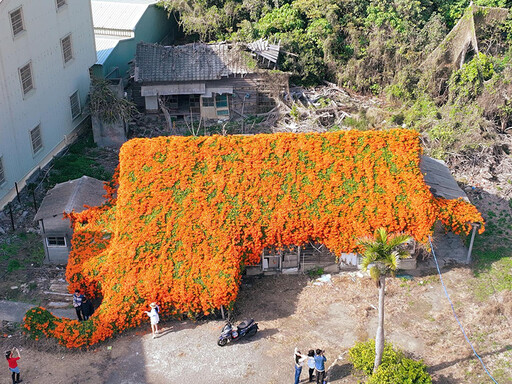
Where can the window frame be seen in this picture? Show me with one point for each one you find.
(208, 102)
(71, 104)
(16, 33)
(2, 171)
(67, 52)
(56, 242)
(36, 140)
(22, 82)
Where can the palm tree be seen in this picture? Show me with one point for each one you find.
(381, 255)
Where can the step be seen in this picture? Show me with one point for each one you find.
(58, 304)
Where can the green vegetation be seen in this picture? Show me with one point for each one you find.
(395, 367)
(378, 47)
(80, 159)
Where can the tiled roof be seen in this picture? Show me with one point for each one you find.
(157, 63)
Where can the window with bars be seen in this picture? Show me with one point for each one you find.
(208, 102)
(61, 3)
(16, 17)
(74, 101)
(56, 241)
(26, 78)
(67, 48)
(2, 174)
(36, 139)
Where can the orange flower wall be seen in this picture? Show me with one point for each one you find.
(192, 211)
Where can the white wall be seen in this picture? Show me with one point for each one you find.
(54, 82)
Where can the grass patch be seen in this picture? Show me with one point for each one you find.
(80, 160)
(19, 251)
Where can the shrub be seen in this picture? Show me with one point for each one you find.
(395, 367)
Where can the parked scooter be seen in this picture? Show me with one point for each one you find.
(246, 328)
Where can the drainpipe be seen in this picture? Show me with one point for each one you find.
(475, 227)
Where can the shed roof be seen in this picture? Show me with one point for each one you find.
(71, 196)
(158, 63)
(120, 15)
(104, 47)
(440, 180)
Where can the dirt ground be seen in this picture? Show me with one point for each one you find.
(293, 311)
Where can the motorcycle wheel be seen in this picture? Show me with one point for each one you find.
(252, 332)
(222, 342)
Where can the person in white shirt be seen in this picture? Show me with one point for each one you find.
(299, 359)
(311, 364)
(154, 318)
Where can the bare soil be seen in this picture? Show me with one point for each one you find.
(293, 311)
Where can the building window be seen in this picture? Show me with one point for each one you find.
(36, 140)
(26, 78)
(208, 102)
(221, 101)
(61, 3)
(67, 49)
(56, 241)
(2, 174)
(75, 105)
(17, 21)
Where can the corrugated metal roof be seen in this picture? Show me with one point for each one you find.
(440, 180)
(104, 47)
(122, 15)
(155, 63)
(71, 196)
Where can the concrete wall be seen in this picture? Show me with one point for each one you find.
(48, 104)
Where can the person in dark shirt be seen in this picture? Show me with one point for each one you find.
(77, 303)
(87, 308)
(320, 360)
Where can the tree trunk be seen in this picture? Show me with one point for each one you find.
(379, 338)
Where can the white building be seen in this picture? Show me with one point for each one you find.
(46, 50)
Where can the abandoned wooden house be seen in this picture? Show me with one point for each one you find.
(65, 197)
(208, 81)
(449, 247)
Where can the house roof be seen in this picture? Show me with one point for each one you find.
(157, 63)
(440, 180)
(104, 47)
(71, 196)
(118, 15)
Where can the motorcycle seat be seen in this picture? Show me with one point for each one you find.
(245, 324)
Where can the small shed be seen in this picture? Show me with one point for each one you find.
(65, 198)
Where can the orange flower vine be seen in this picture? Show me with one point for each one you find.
(191, 211)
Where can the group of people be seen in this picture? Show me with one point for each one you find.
(12, 360)
(315, 361)
(83, 306)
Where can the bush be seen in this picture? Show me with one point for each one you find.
(395, 367)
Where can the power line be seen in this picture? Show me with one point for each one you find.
(455, 314)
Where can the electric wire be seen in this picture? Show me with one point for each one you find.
(455, 314)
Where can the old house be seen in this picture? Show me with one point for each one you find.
(210, 81)
(65, 198)
(46, 50)
(119, 25)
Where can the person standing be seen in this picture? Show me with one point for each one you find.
(77, 303)
(154, 318)
(311, 364)
(320, 360)
(299, 360)
(87, 308)
(13, 365)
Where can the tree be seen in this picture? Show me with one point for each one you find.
(381, 255)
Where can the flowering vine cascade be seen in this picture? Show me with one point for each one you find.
(192, 211)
